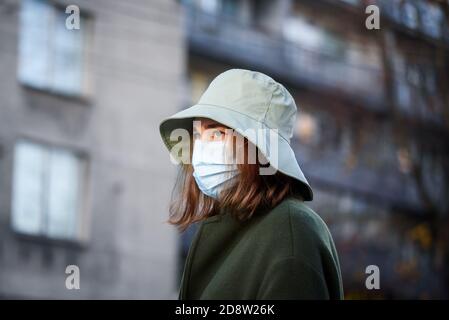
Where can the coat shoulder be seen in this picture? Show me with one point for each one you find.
(300, 216)
(303, 218)
(305, 229)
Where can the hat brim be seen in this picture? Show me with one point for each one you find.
(286, 160)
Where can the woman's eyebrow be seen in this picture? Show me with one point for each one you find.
(214, 125)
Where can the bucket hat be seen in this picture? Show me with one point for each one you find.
(244, 99)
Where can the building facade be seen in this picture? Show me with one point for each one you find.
(84, 180)
(372, 127)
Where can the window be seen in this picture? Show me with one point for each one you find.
(51, 57)
(313, 38)
(431, 19)
(210, 6)
(307, 128)
(47, 191)
(217, 7)
(410, 15)
(230, 8)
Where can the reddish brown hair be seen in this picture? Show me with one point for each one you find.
(250, 194)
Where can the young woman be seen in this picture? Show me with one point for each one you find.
(240, 180)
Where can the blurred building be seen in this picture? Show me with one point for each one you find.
(372, 131)
(84, 179)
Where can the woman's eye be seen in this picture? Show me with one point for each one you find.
(196, 136)
(217, 134)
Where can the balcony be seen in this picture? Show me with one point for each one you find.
(425, 18)
(246, 45)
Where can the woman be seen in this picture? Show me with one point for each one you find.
(256, 238)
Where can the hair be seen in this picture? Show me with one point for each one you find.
(250, 194)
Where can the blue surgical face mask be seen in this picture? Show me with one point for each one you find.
(213, 167)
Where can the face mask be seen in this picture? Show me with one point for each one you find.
(213, 167)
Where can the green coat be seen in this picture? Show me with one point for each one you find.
(287, 253)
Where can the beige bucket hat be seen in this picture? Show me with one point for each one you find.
(241, 100)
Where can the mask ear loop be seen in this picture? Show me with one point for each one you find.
(237, 154)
